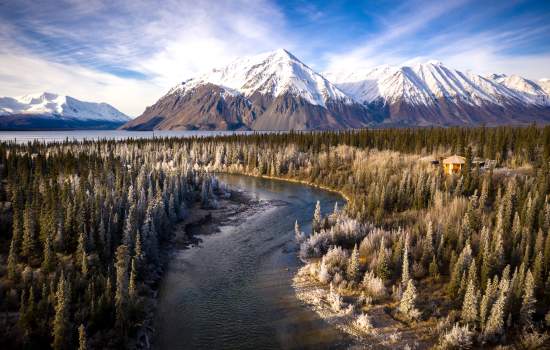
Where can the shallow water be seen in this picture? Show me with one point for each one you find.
(234, 290)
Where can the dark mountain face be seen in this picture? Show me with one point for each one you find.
(454, 113)
(209, 107)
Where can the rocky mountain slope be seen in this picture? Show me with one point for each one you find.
(52, 111)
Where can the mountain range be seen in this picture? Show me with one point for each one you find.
(276, 91)
(48, 111)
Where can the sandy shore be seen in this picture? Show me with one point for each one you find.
(385, 331)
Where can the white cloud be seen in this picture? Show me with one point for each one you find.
(166, 41)
(24, 74)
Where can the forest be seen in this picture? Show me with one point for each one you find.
(466, 255)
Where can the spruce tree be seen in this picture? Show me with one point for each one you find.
(494, 327)
(353, 265)
(528, 303)
(407, 306)
(383, 268)
(405, 269)
(470, 305)
(317, 218)
(121, 294)
(12, 262)
(82, 343)
(61, 326)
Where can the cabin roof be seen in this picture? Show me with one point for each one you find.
(454, 159)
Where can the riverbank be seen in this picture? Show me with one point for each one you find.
(292, 180)
(200, 221)
(381, 331)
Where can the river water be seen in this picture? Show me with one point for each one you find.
(234, 290)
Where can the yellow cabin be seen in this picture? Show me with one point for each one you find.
(453, 164)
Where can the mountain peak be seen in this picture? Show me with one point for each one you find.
(434, 62)
(274, 74)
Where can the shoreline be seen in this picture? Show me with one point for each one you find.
(185, 232)
(287, 179)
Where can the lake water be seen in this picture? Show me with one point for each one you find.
(234, 290)
(80, 135)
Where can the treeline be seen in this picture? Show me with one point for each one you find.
(82, 256)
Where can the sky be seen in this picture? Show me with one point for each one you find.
(131, 52)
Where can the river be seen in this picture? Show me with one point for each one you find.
(234, 291)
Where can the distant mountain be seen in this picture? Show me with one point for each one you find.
(271, 91)
(431, 93)
(48, 111)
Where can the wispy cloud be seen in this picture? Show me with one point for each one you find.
(157, 43)
(465, 38)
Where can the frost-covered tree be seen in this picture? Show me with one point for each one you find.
(298, 234)
(470, 305)
(407, 306)
(317, 217)
(121, 295)
(383, 268)
(353, 265)
(528, 303)
(405, 277)
(494, 328)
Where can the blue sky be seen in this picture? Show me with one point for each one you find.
(129, 52)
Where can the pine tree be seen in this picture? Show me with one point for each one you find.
(61, 327)
(49, 255)
(538, 270)
(428, 249)
(82, 343)
(12, 262)
(405, 270)
(121, 294)
(353, 265)
(317, 218)
(383, 269)
(407, 306)
(528, 304)
(132, 287)
(470, 305)
(29, 233)
(495, 324)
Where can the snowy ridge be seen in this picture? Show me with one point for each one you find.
(274, 74)
(59, 106)
(426, 83)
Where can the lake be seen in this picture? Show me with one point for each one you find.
(80, 135)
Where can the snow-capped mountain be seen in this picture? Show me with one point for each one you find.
(270, 91)
(433, 94)
(52, 111)
(274, 74)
